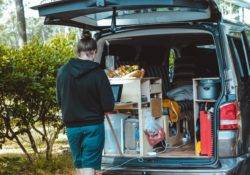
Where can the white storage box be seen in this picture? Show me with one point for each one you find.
(117, 121)
(132, 138)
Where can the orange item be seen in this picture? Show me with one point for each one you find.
(174, 109)
(206, 133)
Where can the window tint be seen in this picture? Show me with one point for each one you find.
(143, 16)
(248, 35)
(238, 52)
(246, 39)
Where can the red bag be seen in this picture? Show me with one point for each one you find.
(156, 138)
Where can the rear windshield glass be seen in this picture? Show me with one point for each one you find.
(144, 16)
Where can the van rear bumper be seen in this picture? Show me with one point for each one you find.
(227, 166)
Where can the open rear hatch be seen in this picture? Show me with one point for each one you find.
(195, 63)
(103, 14)
(112, 15)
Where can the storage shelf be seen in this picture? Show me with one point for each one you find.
(207, 78)
(211, 101)
(155, 92)
(196, 104)
(126, 106)
(136, 97)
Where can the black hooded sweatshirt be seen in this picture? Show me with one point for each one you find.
(83, 93)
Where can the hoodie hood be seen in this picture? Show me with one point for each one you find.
(80, 67)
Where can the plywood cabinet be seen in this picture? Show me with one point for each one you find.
(136, 99)
(197, 104)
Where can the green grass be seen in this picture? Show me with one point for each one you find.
(13, 164)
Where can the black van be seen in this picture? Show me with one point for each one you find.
(194, 35)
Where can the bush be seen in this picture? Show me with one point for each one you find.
(28, 107)
(18, 165)
(11, 165)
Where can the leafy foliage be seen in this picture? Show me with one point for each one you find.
(28, 107)
(17, 164)
(34, 25)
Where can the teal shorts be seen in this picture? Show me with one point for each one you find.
(86, 145)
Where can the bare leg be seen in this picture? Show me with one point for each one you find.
(85, 171)
(98, 173)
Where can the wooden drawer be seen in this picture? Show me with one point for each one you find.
(155, 88)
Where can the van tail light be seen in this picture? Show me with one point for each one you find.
(229, 116)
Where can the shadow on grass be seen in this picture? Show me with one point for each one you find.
(12, 164)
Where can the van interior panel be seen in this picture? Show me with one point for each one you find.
(178, 59)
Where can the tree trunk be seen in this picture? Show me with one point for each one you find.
(23, 149)
(32, 142)
(49, 149)
(10, 134)
(50, 143)
(21, 23)
(20, 145)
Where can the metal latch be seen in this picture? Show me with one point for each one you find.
(113, 27)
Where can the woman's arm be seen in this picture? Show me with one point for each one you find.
(106, 94)
(59, 86)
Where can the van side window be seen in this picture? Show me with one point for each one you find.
(246, 40)
(238, 51)
(247, 32)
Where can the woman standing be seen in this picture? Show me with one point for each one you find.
(84, 95)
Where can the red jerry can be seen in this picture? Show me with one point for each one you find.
(206, 133)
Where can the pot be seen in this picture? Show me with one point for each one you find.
(208, 89)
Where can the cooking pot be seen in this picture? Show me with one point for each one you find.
(208, 89)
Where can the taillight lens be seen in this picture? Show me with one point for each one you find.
(229, 116)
